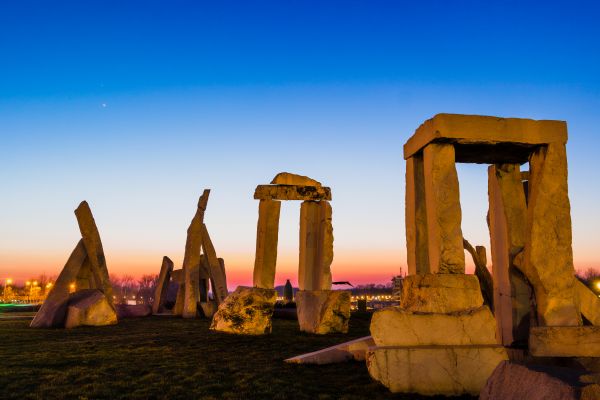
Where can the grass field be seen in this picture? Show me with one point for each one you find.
(169, 358)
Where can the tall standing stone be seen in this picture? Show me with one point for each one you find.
(267, 231)
(442, 199)
(217, 273)
(309, 242)
(93, 247)
(548, 252)
(191, 259)
(416, 217)
(160, 293)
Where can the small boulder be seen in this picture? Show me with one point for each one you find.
(246, 311)
(89, 307)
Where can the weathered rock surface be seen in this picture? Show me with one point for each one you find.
(434, 370)
(316, 246)
(548, 253)
(246, 311)
(292, 192)
(352, 350)
(442, 201)
(589, 303)
(160, 293)
(565, 341)
(323, 311)
(441, 293)
(515, 381)
(267, 231)
(417, 255)
(395, 327)
(89, 307)
(53, 311)
(286, 178)
(133, 311)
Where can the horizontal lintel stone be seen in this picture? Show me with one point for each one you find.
(292, 192)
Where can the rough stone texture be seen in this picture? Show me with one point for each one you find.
(292, 192)
(160, 293)
(565, 341)
(507, 216)
(267, 232)
(441, 293)
(323, 311)
(353, 350)
(209, 308)
(316, 246)
(191, 259)
(589, 303)
(417, 255)
(395, 327)
(133, 311)
(548, 252)
(89, 307)
(180, 279)
(217, 271)
(85, 278)
(442, 200)
(246, 311)
(53, 311)
(478, 129)
(434, 370)
(514, 381)
(286, 178)
(93, 247)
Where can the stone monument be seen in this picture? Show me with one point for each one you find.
(320, 309)
(201, 272)
(82, 293)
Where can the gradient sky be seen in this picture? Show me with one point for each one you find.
(138, 106)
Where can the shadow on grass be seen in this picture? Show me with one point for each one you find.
(170, 358)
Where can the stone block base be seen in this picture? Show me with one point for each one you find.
(435, 370)
(394, 326)
(323, 311)
(441, 293)
(246, 311)
(89, 307)
(565, 341)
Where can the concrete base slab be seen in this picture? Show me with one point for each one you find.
(352, 350)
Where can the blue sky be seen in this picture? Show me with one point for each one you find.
(137, 107)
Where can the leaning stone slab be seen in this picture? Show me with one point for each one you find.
(160, 293)
(323, 311)
(217, 273)
(352, 350)
(394, 326)
(246, 311)
(441, 293)
(292, 192)
(89, 307)
(53, 312)
(434, 370)
(589, 303)
(286, 178)
(516, 381)
(565, 341)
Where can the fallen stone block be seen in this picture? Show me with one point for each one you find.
(292, 192)
(565, 341)
(286, 178)
(89, 307)
(394, 326)
(246, 311)
(434, 370)
(352, 350)
(323, 311)
(441, 293)
(133, 311)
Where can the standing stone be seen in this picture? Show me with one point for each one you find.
(160, 293)
(322, 278)
(323, 311)
(417, 255)
(179, 299)
(288, 292)
(191, 259)
(204, 279)
(548, 252)
(444, 234)
(508, 211)
(85, 278)
(53, 311)
(267, 231)
(93, 247)
(217, 273)
(309, 242)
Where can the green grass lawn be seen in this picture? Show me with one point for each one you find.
(170, 358)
